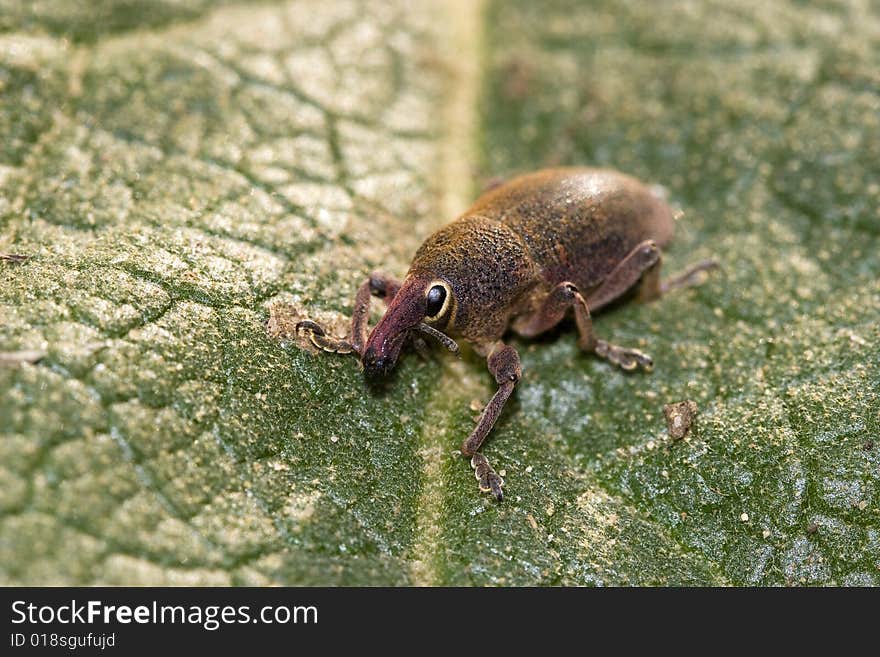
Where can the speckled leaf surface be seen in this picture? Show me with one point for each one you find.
(182, 172)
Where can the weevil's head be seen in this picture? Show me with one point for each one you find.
(420, 299)
(462, 282)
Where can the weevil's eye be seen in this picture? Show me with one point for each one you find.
(436, 301)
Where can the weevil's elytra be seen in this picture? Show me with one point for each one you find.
(524, 255)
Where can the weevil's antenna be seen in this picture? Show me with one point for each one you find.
(442, 338)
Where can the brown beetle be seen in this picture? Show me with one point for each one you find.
(521, 257)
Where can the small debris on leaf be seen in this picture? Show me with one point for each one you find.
(282, 321)
(680, 418)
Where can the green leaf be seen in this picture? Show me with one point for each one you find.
(186, 181)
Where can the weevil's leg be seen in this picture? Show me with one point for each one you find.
(644, 260)
(551, 312)
(321, 340)
(644, 263)
(626, 358)
(490, 481)
(653, 288)
(421, 347)
(504, 365)
(378, 284)
(565, 296)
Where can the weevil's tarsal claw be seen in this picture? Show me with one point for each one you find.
(318, 337)
(627, 359)
(489, 480)
(442, 338)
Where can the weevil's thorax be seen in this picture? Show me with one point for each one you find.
(488, 268)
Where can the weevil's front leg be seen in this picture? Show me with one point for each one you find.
(319, 337)
(379, 285)
(490, 481)
(503, 362)
(504, 365)
(565, 296)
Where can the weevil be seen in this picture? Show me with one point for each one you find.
(524, 255)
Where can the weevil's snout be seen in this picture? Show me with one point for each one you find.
(377, 365)
(383, 346)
